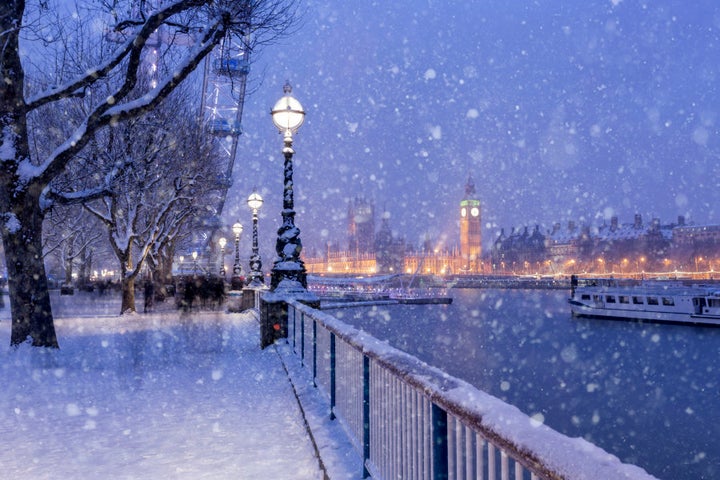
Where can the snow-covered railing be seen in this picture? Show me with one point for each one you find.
(257, 294)
(410, 420)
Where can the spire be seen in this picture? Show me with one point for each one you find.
(470, 187)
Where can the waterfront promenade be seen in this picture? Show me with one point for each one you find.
(161, 395)
(175, 395)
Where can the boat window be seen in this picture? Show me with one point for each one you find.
(597, 298)
(652, 301)
(624, 299)
(714, 302)
(584, 296)
(638, 300)
(668, 301)
(610, 298)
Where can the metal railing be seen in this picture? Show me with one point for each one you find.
(410, 420)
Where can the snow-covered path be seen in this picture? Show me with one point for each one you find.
(150, 396)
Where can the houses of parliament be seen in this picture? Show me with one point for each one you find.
(620, 249)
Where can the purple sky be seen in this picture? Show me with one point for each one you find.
(561, 111)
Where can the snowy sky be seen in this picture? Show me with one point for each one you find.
(561, 111)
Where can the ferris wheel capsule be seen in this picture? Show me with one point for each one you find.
(223, 127)
(231, 67)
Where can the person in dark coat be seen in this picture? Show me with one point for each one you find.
(149, 293)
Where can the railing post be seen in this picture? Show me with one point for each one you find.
(366, 415)
(332, 376)
(314, 352)
(302, 339)
(439, 443)
(294, 327)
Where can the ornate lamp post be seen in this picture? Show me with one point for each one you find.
(195, 264)
(222, 241)
(236, 282)
(255, 201)
(288, 115)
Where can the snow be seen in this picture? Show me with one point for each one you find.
(159, 395)
(191, 395)
(7, 147)
(573, 458)
(288, 290)
(12, 223)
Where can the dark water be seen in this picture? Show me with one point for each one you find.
(648, 393)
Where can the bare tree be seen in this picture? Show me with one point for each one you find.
(166, 176)
(72, 237)
(26, 189)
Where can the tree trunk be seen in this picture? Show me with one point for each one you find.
(20, 212)
(27, 282)
(166, 264)
(128, 295)
(127, 283)
(68, 261)
(86, 258)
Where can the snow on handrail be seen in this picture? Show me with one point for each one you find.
(534, 446)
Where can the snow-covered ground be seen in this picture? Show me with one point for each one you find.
(159, 395)
(192, 396)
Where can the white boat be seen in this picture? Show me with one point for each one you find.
(656, 301)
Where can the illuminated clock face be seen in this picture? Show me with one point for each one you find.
(463, 211)
(474, 212)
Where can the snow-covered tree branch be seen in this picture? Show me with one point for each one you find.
(102, 78)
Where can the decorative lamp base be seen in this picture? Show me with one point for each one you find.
(237, 283)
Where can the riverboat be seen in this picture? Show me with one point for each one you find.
(656, 301)
(374, 290)
(421, 298)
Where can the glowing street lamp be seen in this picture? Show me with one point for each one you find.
(640, 265)
(236, 282)
(288, 115)
(255, 201)
(222, 241)
(195, 265)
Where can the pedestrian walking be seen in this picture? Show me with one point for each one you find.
(149, 293)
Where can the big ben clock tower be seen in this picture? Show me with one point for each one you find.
(470, 220)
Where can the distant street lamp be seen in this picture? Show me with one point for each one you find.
(182, 264)
(222, 242)
(255, 201)
(236, 282)
(639, 265)
(288, 115)
(195, 265)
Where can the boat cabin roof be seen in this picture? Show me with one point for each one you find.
(647, 287)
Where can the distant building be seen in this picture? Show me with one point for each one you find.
(563, 243)
(696, 245)
(361, 226)
(650, 243)
(470, 232)
(613, 248)
(521, 251)
(389, 251)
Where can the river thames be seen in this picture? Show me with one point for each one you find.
(648, 393)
